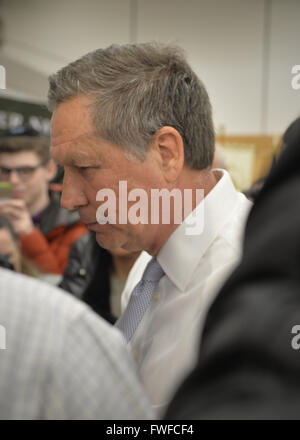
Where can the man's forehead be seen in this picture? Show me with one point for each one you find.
(76, 150)
(71, 119)
(20, 157)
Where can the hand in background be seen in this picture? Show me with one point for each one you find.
(16, 211)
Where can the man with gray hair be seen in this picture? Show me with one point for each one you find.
(138, 115)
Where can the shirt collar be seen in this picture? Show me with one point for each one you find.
(181, 253)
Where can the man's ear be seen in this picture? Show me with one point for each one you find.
(51, 170)
(169, 145)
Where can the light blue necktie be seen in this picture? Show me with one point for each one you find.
(140, 299)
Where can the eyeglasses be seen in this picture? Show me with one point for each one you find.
(24, 173)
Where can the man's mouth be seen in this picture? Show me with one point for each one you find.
(86, 221)
(17, 193)
(90, 225)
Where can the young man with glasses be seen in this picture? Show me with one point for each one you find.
(46, 230)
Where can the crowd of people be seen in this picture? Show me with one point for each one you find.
(143, 319)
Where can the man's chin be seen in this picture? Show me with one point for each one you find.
(106, 241)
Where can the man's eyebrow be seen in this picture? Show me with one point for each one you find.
(75, 158)
(78, 159)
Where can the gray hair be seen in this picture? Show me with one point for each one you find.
(138, 89)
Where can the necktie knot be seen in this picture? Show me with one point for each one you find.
(153, 271)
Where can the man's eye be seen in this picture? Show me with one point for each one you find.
(87, 169)
(25, 170)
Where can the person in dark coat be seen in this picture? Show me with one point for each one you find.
(249, 360)
(97, 276)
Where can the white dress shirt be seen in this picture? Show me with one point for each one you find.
(166, 342)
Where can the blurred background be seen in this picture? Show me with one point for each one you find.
(243, 50)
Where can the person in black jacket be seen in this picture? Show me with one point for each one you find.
(98, 276)
(249, 361)
(10, 253)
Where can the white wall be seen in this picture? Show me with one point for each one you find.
(48, 34)
(224, 41)
(283, 101)
(243, 50)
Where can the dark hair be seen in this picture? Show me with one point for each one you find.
(252, 192)
(292, 133)
(37, 144)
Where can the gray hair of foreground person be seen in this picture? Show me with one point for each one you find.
(59, 360)
(138, 89)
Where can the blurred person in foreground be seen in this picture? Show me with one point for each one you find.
(289, 136)
(253, 191)
(138, 114)
(59, 360)
(249, 363)
(45, 229)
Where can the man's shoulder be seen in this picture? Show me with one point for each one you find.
(233, 229)
(46, 313)
(61, 359)
(20, 292)
(226, 248)
(224, 251)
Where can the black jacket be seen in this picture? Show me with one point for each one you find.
(87, 275)
(247, 367)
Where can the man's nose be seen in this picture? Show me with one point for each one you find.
(14, 177)
(72, 196)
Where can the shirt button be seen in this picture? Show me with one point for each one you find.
(82, 272)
